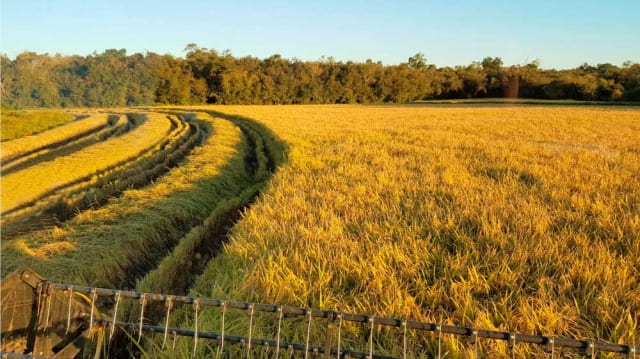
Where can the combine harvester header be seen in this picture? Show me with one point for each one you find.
(51, 320)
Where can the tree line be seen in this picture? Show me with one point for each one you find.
(113, 78)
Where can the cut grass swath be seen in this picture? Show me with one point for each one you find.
(118, 125)
(16, 124)
(113, 245)
(11, 150)
(22, 187)
(91, 194)
(177, 271)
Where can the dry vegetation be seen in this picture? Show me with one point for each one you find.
(17, 124)
(521, 218)
(22, 187)
(111, 245)
(29, 144)
(513, 218)
(117, 125)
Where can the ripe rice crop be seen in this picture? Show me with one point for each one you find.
(21, 187)
(511, 218)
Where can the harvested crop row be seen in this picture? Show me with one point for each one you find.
(114, 245)
(203, 242)
(177, 128)
(11, 150)
(118, 125)
(200, 242)
(98, 190)
(22, 187)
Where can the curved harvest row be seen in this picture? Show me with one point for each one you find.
(117, 125)
(20, 188)
(13, 149)
(109, 183)
(110, 244)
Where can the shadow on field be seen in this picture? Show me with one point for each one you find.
(259, 155)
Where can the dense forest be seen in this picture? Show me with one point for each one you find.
(113, 78)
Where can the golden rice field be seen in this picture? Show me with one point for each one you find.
(518, 218)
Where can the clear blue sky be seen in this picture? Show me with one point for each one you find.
(561, 33)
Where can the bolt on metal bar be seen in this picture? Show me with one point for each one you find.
(580, 344)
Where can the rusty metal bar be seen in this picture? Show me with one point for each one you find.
(581, 344)
(235, 339)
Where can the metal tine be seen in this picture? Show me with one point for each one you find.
(70, 288)
(339, 316)
(118, 296)
(39, 293)
(306, 349)
(250, 329)
(175, 338)
(93, 305)
(223, 309)
(280, 315)
(371, 323)
(49, 299)
(404, 339)
(512, 344)
(102, 344)
(439, 334)
(196, 307)
(40, 308)
(169, 304)
(143, 301)
(552, 341)
(474, 341)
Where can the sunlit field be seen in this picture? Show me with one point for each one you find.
(19, 123)
(25, 144)
(518, 218)
(26, 185)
